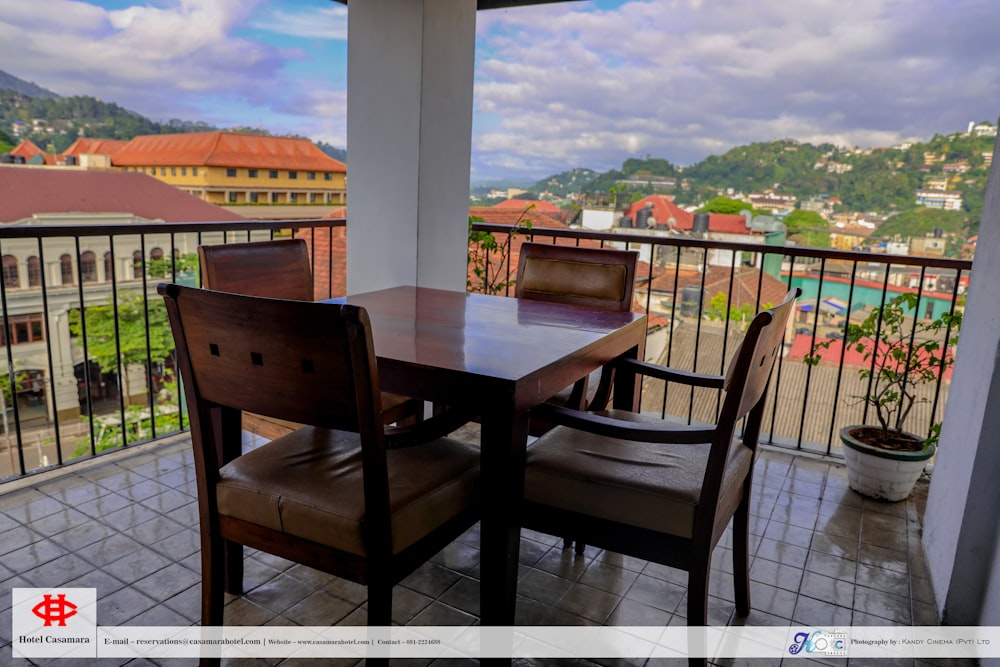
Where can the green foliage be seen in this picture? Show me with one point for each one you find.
(718, 307)
(138, 428)
(186, 266)
(487, 257)
(727, 206)
(119, 337)
(894, 365)
(20, 380)
(807, 228)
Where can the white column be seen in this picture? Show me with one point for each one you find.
(409, 137)
(961, 529)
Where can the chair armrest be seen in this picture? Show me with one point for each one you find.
(626, 430)
(670, 374)
(438, 426)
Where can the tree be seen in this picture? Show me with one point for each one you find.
(726, 205)
(808, 228)
(135, 343)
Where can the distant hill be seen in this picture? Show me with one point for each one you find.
(54, 122)
(566, 183)
(11, 82)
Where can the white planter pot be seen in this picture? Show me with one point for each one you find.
(879, 473)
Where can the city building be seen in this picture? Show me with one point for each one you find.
(233, 168)
(948, 200)
(65, 274)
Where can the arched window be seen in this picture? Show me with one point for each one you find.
(137, 264)
(66, 269)
(156, 253)
(88, 267)
(109, 267)
(34, 272)
(10, 276)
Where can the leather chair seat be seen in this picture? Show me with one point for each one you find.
(653, 486)
(309, 483)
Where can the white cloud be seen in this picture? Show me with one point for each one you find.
(677, 79)
(310, 23)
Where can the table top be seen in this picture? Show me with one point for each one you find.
(475, 334)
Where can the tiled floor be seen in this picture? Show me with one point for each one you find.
(821, 556)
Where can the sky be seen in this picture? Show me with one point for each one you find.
(575, 84)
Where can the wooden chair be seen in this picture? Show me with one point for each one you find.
(279, 270)
(595, 278)
(330, 495)
(642, 486)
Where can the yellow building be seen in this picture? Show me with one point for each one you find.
(227, 168)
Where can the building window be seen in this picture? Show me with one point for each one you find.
(293, 197)
(231, 173)
(66, 269)
(34, 272)
(293, 175)
(310, 175)
(273, 173)
(184, 171)
(253, 197)
(327, 176)
(156, 253)
(252, 173)
(10, 277)
(109, 267)
(232, 197)
(173, 171)
(163, 171)
(88, 267)
(137, 264)
(194, 171)
(23, 329)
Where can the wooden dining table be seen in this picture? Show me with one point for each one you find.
(497, 357)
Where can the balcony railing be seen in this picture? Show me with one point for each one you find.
(86, 364)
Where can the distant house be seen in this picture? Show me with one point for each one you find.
(86, 152)
(29, 153)
(233, 168)
(548, 208)
(948, 200)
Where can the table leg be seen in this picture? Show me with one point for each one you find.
(504, 436)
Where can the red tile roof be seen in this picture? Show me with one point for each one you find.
(27, 149)
(521, 204)
(226, 149)
(772, 290)
(25, 191)
(665, 211)
(329, 260)
(94, 147)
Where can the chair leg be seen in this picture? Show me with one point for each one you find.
(212, 582)
(232, 554)
(697, 608)
(741, 560)
(379, 604)
(580, 546)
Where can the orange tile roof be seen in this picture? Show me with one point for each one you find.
(666, 211)
(521, 204)
(745, 283)
(27, 149)
(94, 147)
(226, 149)
(25, 191)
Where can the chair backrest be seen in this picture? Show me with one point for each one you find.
(600, 278)
(276, 269)
(750, 371)
(306, 362)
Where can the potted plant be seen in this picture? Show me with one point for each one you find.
(884, 461)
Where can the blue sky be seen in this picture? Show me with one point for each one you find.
(579, 84)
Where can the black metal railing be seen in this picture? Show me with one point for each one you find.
(87, 365)
(698, 294)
